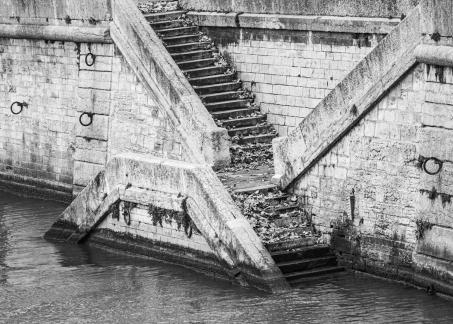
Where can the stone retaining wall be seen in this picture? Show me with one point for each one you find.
(292, 62)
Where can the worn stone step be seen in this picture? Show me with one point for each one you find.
(205, 71)
(307, 264)
(294, 277)
(249, 130)
(182, 39)
(192, 56)
(188, 47)
(286, 209)
(213, 79)
(255, 139)
(243, 121)
(234, 113)
(222, 96)
(216, 88)
(166, 24)
(168, 15)
(178, 31)
(230, 104)
(262, 189)
(196, 63)
(305, 252)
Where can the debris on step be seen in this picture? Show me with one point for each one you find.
(159, 6)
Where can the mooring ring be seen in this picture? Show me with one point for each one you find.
(436, 161)
(20, 104)
(127, 217)
(93, 59)
(90, 115)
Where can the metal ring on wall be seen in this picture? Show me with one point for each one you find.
(19, 104)
(93, 59)
(436, 161)
(90, 115)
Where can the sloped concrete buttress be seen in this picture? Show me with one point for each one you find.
(177, 187)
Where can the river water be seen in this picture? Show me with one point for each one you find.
(43, 282)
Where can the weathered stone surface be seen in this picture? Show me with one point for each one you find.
(368, 8)
(209, 205)
(155, 68)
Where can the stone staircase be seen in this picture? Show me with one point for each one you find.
(278, 218)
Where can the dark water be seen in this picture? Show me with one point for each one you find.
(42, 282)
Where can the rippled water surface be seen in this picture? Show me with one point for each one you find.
(43, 282)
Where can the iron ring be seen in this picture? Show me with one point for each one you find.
(436, 161)
(93, 59)
(90, 115)
(20, 104)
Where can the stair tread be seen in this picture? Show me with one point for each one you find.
(217, 93)
(313, 271)
(179, 37)
(177, 28)
(240, 119)
(187, 44)
(250, 127)
(166, 21)
(213, 76)
(257, 188)
(201, 69)
(165, 13)
(299, 250)
(228, 102)
(197, 60)
(192, 52)
(299, 261)
(250, 110)
(215, 85)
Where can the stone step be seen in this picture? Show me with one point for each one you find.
(234, 113)
(178, 31)
(166, 24)
(243, 121)
(188, 47)
(306, 252)
(307, 264)
(294, 277)
(182, 39)
(192, 56)
(213, 79)
(196, 63)
(221, 96)
(286, 209)
(262, 189)
(205, 71)
(249, 130)
(230, 104)
(255, 139)
(216, 88)
(169, 15)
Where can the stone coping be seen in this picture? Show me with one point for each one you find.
(56, 33)
(363, 25)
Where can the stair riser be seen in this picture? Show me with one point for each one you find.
(167, 24)
(258, 140)
(244, 123)
(178, 32)
(219, 88)
(206, 72)
(234, 114)
(229, 105)
(222, 97)
(181, 40)
(255, 131)
(191, 57)
(311, 275)
(214, 80)
(189, 48)
(312, 264)
(305, 254)
(196, 64)
(165, 16)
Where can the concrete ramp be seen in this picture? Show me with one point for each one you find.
(169, 210)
